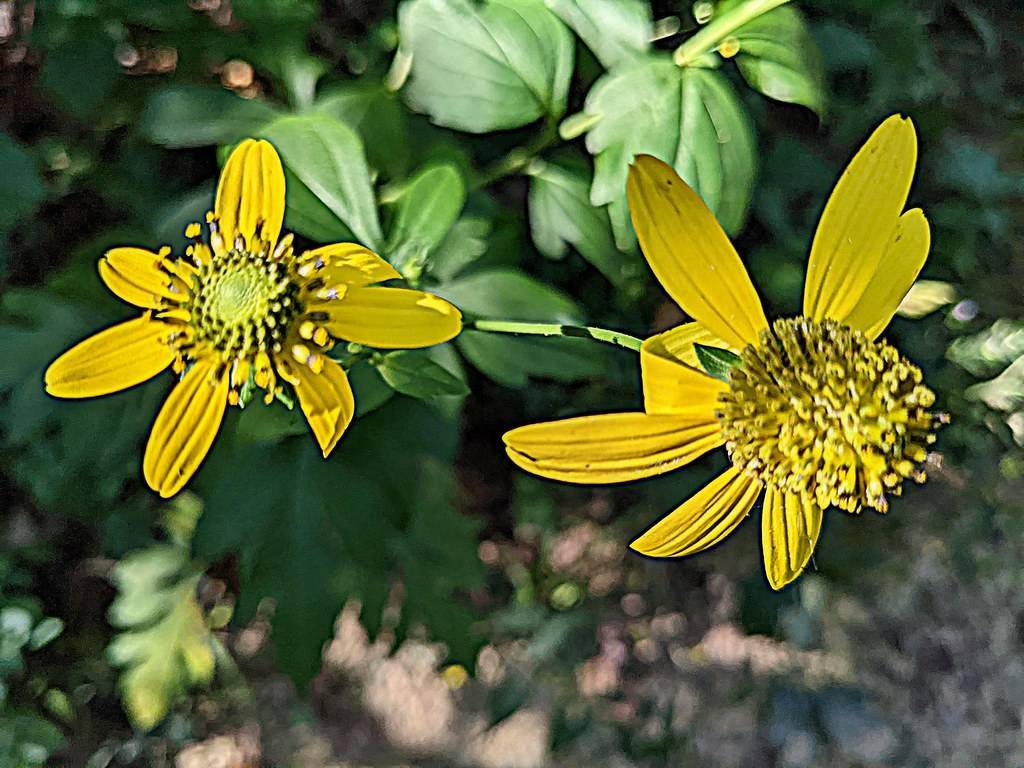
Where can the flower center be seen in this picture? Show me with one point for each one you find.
(243, 302)
(820, 409)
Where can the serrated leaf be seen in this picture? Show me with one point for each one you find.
(425, 211)
(327, 157)
(485, 67)
(164, 644)
(717, 362)
(198, 116)
(690, 118)
(779, 57)
(561, 215)
(414, 373)
(614, 30)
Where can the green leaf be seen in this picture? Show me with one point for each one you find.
(510, 295)
(426, 209)
(21, 187)
(691, 118)
(615, 30)
(465, 243)
(485, 67)
(561, 215)
(414, 373)
(513, 360)
(164, 646)
(779, 57)
(81, 71)
(378, 116)
(327, 157)
(312, 533)
(198, 116)
(717, 362)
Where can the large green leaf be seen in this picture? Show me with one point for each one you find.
(425, 211)
(479, 68)
(510, 360)
(327, 157)
(510, 295)
(561, 216)
(691, 118)
(312, 533)
(614, 30)
(197, 116)
(779, 57)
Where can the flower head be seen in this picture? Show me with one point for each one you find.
(817, 412)
(244, 310)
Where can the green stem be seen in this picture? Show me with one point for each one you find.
(623, 340)
(517, 159)
(720, 27)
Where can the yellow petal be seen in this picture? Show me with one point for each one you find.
(704, 519)
(612, 447)
(672, 378)
(894, 276)
(859, 219)
(136, 275)
(117, 358)
(790, 525)
(346, 263)
(250, 195)
(391, 318)
(690, 254)
(325, 398)
(185, 427)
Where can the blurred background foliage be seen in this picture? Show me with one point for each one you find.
(492, 619)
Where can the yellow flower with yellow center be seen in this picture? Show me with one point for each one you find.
(244, 310)
(816, 411)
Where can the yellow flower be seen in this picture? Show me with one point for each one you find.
(818, 411)
(244, 308)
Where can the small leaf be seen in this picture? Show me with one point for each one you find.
(327, 157)
(561, 215)
(45, 632)
(779, 57)
(485, 67)
(614, 30)
(465, 243)
(426, 209)
(198, 116)
(717, 362)
(413, 373)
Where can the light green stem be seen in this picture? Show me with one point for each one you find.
(623, 340)
(720, 27)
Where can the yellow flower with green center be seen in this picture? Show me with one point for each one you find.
(816, 411)
(244, 310)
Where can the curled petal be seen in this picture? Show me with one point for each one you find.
(137, 276)
(673, 380)
(346, 264)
